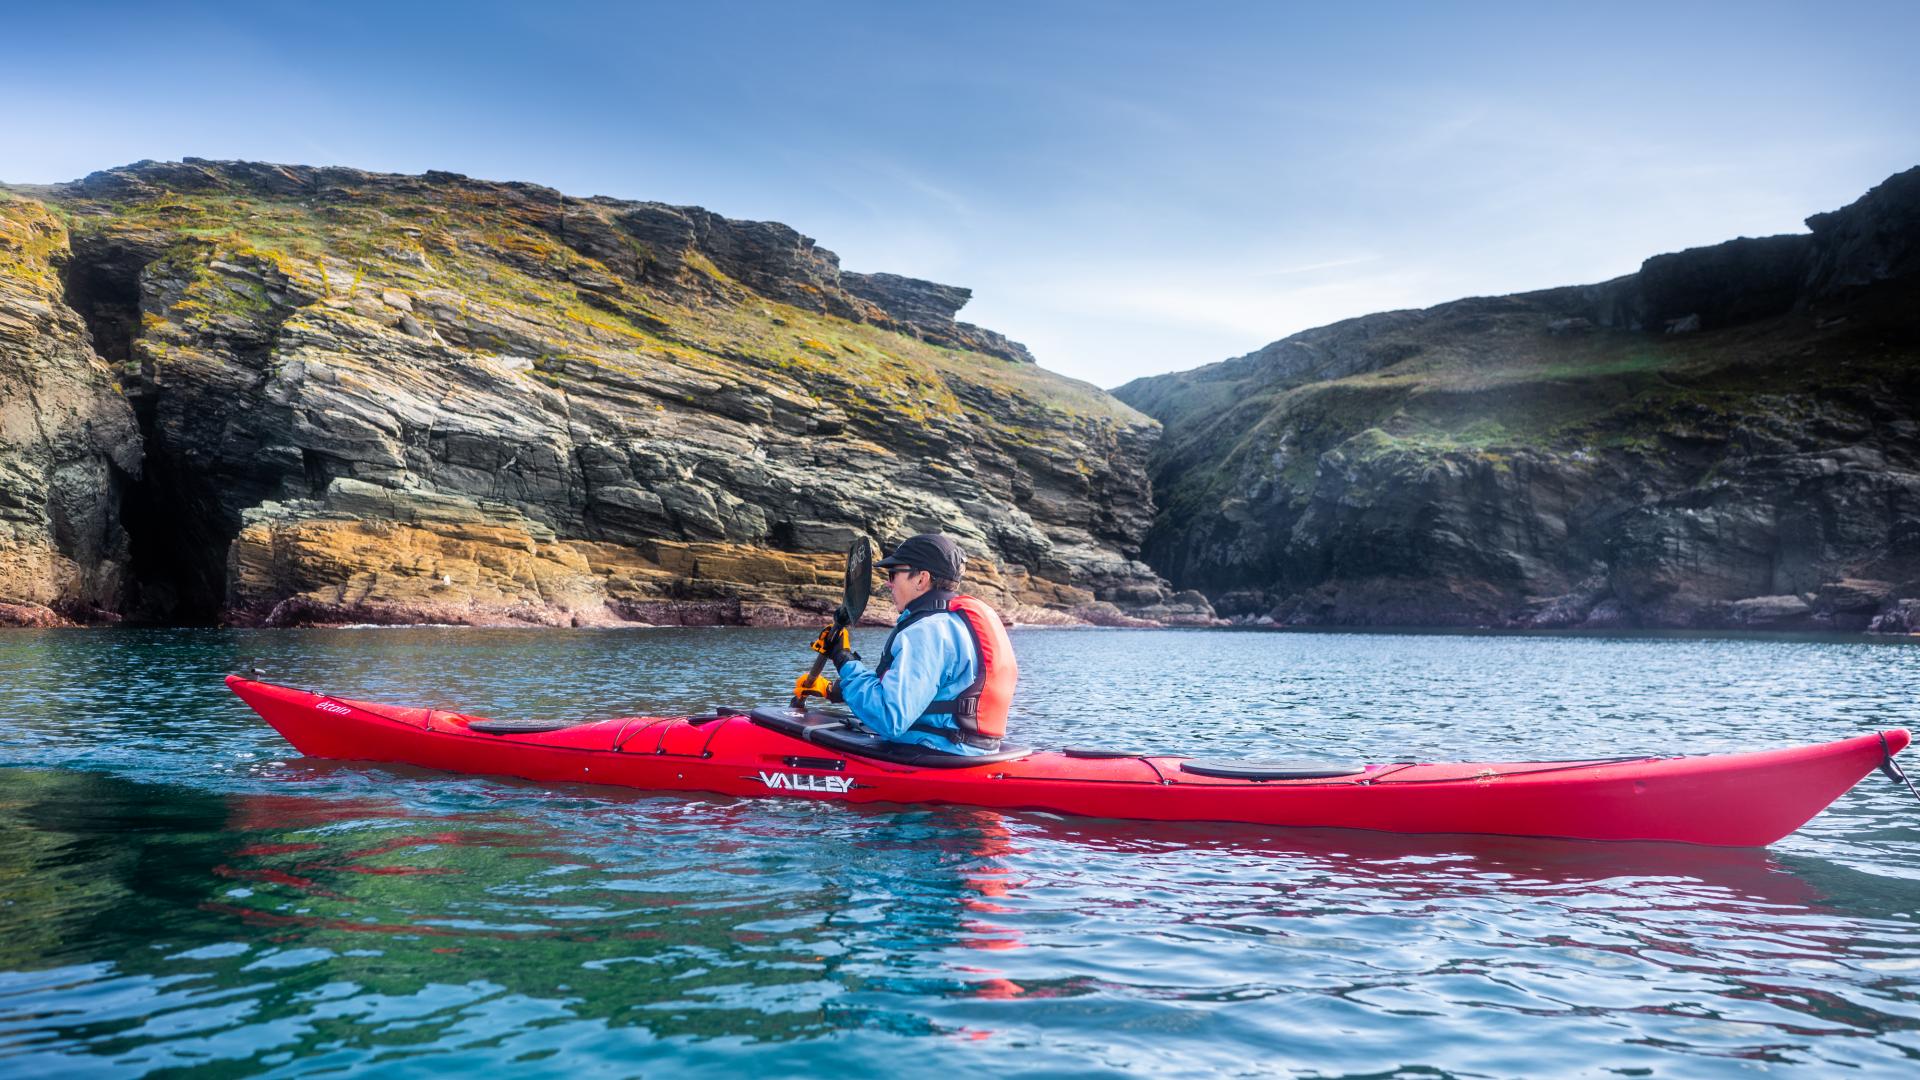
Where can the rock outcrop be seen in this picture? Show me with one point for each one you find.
(375, 398)
(1729, 438)
(926, 309)
(68, 442)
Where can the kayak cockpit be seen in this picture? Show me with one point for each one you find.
(832, 732)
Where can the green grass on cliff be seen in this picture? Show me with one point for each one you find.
(517, 292)
(1513, 388)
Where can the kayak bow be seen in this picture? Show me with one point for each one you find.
(1730, 800)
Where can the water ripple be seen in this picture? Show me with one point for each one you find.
(179, 890)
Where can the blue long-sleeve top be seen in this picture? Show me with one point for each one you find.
(933, 660)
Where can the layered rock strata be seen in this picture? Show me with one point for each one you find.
(68, 441)
(1729, 438)
(373, 398)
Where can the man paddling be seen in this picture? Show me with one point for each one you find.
(946, 674)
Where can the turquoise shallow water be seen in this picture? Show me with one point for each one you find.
(178, 890)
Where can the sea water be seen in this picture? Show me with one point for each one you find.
(180, 890)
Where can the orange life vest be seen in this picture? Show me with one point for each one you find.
(979, 711)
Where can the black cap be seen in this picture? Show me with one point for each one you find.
(931, 552)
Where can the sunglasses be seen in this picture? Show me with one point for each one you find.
(894, 571)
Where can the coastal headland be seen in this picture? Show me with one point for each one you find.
(272, 395)
(279, 395)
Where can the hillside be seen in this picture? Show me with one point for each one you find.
(1728, 438)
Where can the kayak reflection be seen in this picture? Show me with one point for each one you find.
(955, 886)
(507, 906)
(684, 917)
(1444, 863)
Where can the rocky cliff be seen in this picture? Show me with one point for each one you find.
(1728, 438)
(68, 444)
(284, 395)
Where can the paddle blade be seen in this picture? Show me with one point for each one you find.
(859, 579)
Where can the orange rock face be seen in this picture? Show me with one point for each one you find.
(330, 571)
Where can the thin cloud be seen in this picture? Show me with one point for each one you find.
(1127, 188)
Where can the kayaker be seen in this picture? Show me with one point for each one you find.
(945, 677)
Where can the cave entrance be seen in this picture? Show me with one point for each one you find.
(177, 531)
(102, 283)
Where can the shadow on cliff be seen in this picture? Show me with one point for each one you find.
(176, 530)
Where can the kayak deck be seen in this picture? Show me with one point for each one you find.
(1736, 800)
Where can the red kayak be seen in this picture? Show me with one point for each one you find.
(1731, 800)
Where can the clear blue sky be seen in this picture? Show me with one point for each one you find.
(1127, 188)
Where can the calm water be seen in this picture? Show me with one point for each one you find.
(179, 891)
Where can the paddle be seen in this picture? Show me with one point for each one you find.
(852, 605)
